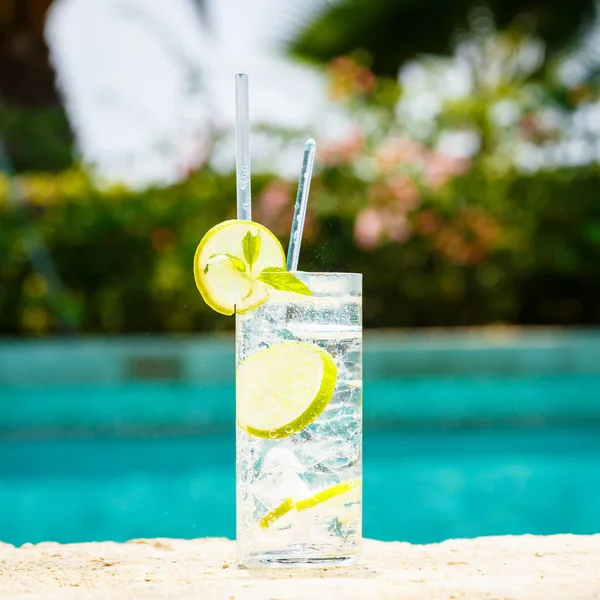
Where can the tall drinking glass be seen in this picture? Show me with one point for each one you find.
(299, 491)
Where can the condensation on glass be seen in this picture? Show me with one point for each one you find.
(326, 455)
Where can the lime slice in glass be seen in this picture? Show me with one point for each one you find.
(283, 389)
(225, 279)
(328, 493)
(276, 513)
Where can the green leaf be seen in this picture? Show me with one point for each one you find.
(251, 245)
(237, 263)
(280, 279)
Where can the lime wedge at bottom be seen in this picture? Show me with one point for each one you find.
(276, 513)
(283, 389)
(327, 494)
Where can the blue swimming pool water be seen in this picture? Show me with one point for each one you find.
(429, 401)
(419, 485)
(466, 434)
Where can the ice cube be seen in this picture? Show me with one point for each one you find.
(281, 457)
(281, 483)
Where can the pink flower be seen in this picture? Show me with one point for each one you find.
(397, 151)
(343, 151)
(440, 169)
(368, 228)
(274, 198)
(349, 78)
(405, 191)
(397, 227)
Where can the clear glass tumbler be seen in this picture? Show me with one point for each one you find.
(299, 494)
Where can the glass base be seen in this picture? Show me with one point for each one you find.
(287, 560)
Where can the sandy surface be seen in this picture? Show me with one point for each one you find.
(495, 568)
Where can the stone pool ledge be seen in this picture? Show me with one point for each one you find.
(556, 567)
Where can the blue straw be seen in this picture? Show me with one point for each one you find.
(242, 154)
(308, 162)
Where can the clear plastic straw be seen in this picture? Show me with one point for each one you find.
(242, 155)
(308, 162)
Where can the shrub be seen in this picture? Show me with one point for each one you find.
(521, 249)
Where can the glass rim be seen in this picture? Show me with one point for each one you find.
(329, 274)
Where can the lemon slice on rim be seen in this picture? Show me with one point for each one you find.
(283, 389)
(224, 277)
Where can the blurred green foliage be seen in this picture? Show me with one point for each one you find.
(394, 31)
(37, 138)
(451, 192)
(524, 249)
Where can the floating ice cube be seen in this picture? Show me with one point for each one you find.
(274, 487)
(330, 455)
(281, 457)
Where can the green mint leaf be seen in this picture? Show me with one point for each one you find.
(251, 246)
(237, 263)
(280, 279)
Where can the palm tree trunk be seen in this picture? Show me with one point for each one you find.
(26, 76)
